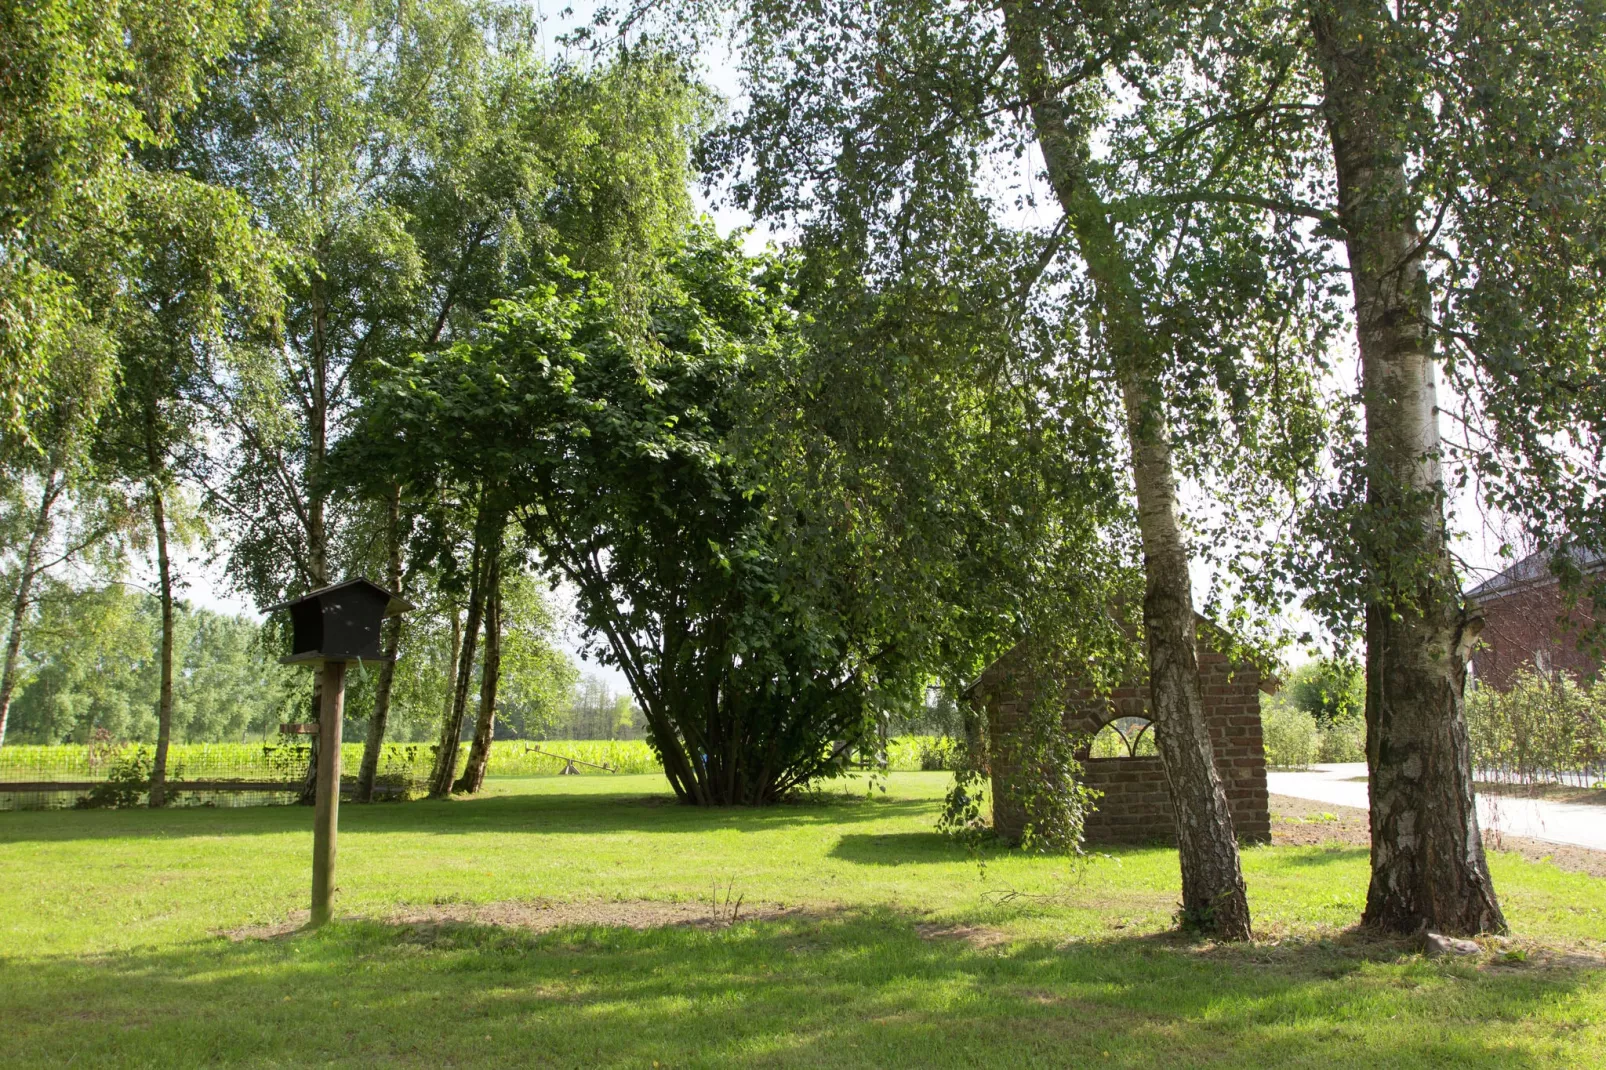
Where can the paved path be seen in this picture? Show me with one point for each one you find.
(1344, 784)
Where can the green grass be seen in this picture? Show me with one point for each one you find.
(110, 952)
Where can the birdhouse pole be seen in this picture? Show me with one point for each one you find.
(326, 816)
(329, 627)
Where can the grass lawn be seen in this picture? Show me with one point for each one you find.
(497, 931)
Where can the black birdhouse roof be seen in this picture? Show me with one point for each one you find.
(395, 603)
(340, 622)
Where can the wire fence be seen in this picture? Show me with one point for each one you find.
(272, 773)
(198, 774)
(1584, 776)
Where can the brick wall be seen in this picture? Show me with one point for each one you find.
(1522, 623)
(1136, 802)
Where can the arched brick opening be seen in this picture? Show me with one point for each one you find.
(1122, 737)
(1136, 803)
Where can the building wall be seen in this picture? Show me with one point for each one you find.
(1523, 627)
(1136, 802)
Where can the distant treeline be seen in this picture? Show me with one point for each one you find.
(90, 665)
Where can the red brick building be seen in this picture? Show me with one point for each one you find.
(1136, 802)
(1527, 622)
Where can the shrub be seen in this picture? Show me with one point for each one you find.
(126, 782)
(1292, 740)
(937, 753)
(1343, 740)
(622, 433)
(1044, 800)
(1539, 727)
(1329, 691)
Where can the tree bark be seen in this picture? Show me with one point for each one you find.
(318, 444)
(55, 482)
(164, 700)
(1213, 895)
(1428, 865)
(374, 744)
(451, 678)
(479, 753)
(445, 771)
(317, 527)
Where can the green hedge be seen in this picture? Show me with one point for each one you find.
(1540, 728)
(1292, 738)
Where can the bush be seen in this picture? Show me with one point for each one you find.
(938, 753)
(1538, 728)
(1292, 740)
(623, 432)
(1330, 691)
(1344, 740)
(126, 783)
(1042, 806)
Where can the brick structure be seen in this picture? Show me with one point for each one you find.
(1136, 802)
(1527, 623)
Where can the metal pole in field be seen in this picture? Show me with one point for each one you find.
(326, 817)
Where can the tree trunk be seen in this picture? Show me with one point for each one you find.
(1428, 866)
(479, 754)
(1213, 894)
(318, 444)
(55, 482)
(445, 771)
(164, 700)
(317, 526)
(451, 681)
(375, 742)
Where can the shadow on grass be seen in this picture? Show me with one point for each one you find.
(592, 812)
(899, 848)
(1320, 855)
(853, 989)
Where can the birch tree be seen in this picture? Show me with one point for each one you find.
(88, 86)
(1464, 137)
(197, 263)
(1168, 152)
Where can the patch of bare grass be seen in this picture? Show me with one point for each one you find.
(539, 916)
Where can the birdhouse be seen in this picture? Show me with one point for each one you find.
(340, 622)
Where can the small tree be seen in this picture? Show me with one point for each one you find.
(1329, 690)
(614, 439)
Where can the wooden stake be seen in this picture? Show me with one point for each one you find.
(326, 815)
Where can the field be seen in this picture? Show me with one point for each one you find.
(403, 764)
(263, 761)
(590, 921)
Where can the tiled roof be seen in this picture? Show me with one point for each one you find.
(1534, 569)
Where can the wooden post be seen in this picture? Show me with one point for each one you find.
(326, 816)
